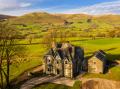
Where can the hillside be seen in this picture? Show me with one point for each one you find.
(74, 17)
(5, 17)
(79, 24)
(46, 18)
(38, 18)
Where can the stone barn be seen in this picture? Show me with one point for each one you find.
(64, 59)
(97, 63)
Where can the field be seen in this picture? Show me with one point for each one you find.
(35, 54)
(92, 34)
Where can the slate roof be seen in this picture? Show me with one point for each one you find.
(63, 54)
(100, 55)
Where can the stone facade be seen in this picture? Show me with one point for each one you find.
(67, 60)
(96, 64)
(64, 59)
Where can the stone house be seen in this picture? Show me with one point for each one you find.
(97, 63)
(64, 59)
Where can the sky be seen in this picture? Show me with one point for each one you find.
(93, 7)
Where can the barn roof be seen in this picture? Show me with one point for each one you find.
(100, 54)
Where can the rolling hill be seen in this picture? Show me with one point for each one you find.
(5, 17)
(46, 18)
(40, 22)
(38, 18)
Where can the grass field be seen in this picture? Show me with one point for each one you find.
(37, 25)
(34, 55)
(113, 75)
(111, 47)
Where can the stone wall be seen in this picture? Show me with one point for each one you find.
(95, 65)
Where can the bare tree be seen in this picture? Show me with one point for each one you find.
(9, 48)
(49, 37)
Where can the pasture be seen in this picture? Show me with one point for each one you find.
(34, 54)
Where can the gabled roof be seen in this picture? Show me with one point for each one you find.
(65, 50)
(100, 55)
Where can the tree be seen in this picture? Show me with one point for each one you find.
(9, 48)
(1, 60)
(49, 37)
(57, 34)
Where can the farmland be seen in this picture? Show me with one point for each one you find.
(36, 52)
(89, 32)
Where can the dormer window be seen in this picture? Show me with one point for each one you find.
(66, 62)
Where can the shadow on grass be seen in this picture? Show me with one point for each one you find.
(25, 78)
(110, 49)
(111, 60)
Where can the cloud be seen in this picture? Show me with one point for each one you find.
(20, 7)
(25, 11)
(6, 5)
(97, 9)
(25, 4)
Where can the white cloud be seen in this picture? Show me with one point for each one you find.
(25, 4)
(12, 4)
(102, 8)
(19, 7)
(5, 4)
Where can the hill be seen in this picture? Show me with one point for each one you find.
(5, 17)
(46, 18)
(74, 17)
(38, 18)
(80, 24)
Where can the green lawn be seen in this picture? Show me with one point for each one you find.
(111, 47)
(114, 74)
(34, 55)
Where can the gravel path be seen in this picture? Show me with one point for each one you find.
(36, 81)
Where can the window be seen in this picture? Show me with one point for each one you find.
(65, 62)
(57, 62)
(49, 59)
(48, 69)
(94, 62)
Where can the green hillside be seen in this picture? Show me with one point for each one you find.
(90, 32)
(38, 18)
(81, 24)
